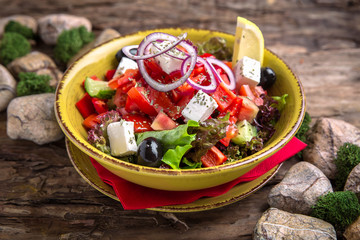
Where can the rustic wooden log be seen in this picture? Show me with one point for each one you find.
(43, 197)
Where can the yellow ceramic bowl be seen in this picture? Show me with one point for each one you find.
(100, 59)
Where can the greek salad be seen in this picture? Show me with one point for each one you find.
(175, 104)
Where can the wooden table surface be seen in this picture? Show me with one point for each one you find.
(43, 197)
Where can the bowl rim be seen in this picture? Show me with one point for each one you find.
(110, 160)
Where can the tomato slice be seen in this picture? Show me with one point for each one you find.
(185, 89)
(131, 106)
(235, 107)
(140, 96)
(198, 70)
(231, 131)
(119, 98)
(213, 157)
(155, 71)
(152, 66)
(229, 64)
(207, 55)
(245, 91)
(141, 123)
(127, 80)
(163, 122)
(248, 110)
(162, 102)
(253, 93)
(225, 78)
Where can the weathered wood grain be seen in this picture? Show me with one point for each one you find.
(43, 197)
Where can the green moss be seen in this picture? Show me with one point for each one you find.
(12, 46)
(70, 42)
(338, 208)
(348, 156)
(304, 128)
(13, 26)
(32, 83)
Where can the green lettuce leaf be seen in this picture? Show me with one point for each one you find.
(171, 138)
(281, 101)
(190, 164)
(176, 142)
(173, 157)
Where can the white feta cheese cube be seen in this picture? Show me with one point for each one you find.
(247, 71)
(200, 107)
(166, 62)
(122, 138)
(125, 64)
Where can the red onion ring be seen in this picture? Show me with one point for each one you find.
(208, 88)
(155, 84)
(126, 50)
(151, 38)
(228, 71)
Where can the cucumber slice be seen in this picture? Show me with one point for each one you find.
(245, 134)
(98, 89)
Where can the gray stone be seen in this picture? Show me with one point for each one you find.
(277, 224)
(324, 139)
(352, 232)
(106, 35)
(51, 26)
(7, 88)
(39, 63)
(353, 182)
(28, 21)
(33, 118)
(302, 185)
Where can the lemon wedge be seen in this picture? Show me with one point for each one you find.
(249, 41)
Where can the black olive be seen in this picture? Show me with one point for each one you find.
(268, 78)
(150, 152)
(120, 54)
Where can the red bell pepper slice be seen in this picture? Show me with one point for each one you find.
(213, 157)
(223, 97)
(100, 105)
(91, 121)
(110, 74)
(85, 106)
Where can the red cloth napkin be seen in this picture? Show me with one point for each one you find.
(133, 196)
